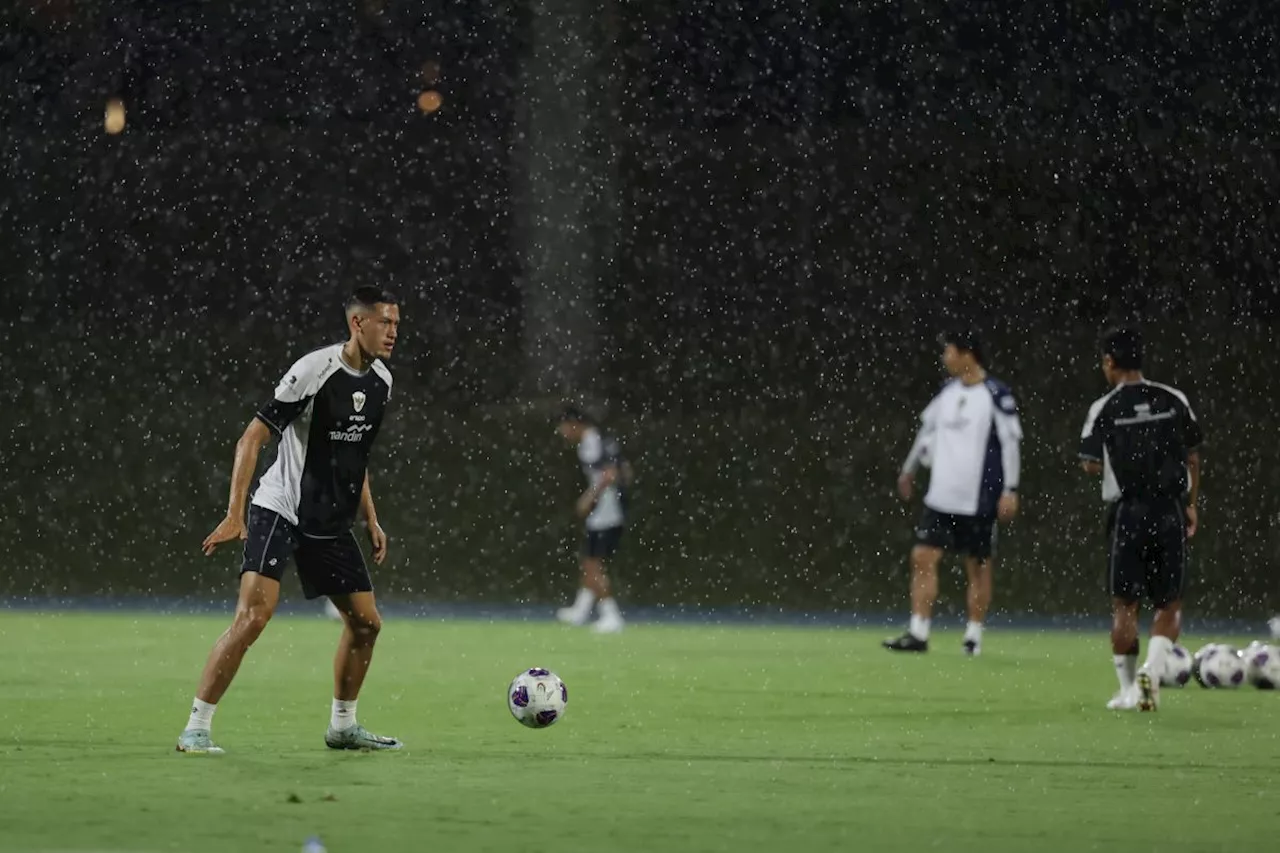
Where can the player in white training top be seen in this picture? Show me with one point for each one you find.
(971, 431)
(603, 508)
(326, 411)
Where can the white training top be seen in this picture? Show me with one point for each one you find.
(972, 434)
(597, 453)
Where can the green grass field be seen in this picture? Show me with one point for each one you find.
(676, 739)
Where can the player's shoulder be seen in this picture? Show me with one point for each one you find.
(1109, 398)
(315, 363)
(1001, 393)
(1169, 390)
(381, 370)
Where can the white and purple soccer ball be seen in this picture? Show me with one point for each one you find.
(1262, 666)
(1220, 665)
(1177, 667)
(537, 698)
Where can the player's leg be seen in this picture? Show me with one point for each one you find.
(336, 568)
(977, 600)
(979, 564)
(1166, 576)
(1126, 575)
(610, 621)
(935, 532)
(266, 552)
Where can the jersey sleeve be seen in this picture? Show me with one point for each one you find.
(293, 394)
(591, 449)
(924, 438)
(1091, 437)
(1009, 429)
(1192, 434)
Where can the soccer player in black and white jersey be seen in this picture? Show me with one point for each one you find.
(1143, 438)
(603, 509)
(972, 432)
(326, 411)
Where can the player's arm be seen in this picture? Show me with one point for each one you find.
(587, 502)
(1192, 437)
(928, 425)
(255, 435)
(377, 536)
(1009, 429)
(1091, 444)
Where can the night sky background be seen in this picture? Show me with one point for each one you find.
(739, 250)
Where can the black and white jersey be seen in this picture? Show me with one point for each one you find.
(1141, 432)
(597, 452)
(327, 415)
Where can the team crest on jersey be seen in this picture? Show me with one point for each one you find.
(357, 400)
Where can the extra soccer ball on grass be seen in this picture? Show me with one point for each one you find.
(1262, 666)
(1218, 665)
(537, 698)
(1177, 667)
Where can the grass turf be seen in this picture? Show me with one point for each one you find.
(676, 738)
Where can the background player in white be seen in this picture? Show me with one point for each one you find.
(972, 432)
(603, 508)
(327, 411)
(1142, 437)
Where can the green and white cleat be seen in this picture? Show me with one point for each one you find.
(358, 737)
(198, 742)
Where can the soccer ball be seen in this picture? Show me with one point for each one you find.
(1262, 666)
(1177, 667)
(537, 698)
(1220, 666)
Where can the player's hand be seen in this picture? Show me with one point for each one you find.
(378, 539)
(1193, 521)
(906, 486)
(1008, 506)
(585, 504)
(229, 530)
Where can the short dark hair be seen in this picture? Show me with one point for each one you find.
(964, 339)
(369, 295)
(1124, 345)
(574, 414)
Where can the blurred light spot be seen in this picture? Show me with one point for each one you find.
(113, 120)
(430, 101)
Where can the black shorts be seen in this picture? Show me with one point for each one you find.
(602, 544)
(1148, 551)
(333, 566)
(970, 535)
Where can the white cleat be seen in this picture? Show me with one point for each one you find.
(1148, 691)
(1125, 700)
(608, 625)
(1274, 624)
(569, 616)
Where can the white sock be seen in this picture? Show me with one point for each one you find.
(973, 631)
(1157, 648)
(344, 715)
(919, 627)
(582, 604)
(1126, 671)
(609, 609)
(201, 718)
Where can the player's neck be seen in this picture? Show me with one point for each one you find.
(1128, 377)
(355, 357)
(976, 376)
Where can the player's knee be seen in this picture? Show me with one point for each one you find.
(365, 626)
(250, 622)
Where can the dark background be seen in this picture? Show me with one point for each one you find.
(795, 199)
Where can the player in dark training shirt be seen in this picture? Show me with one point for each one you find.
(1142, 437)
(326, 412)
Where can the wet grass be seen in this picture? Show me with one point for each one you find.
(676, 738)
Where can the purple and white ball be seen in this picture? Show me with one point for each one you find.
(1220, 666)
(1262, 666)
(537, 698)
(1177, 667)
